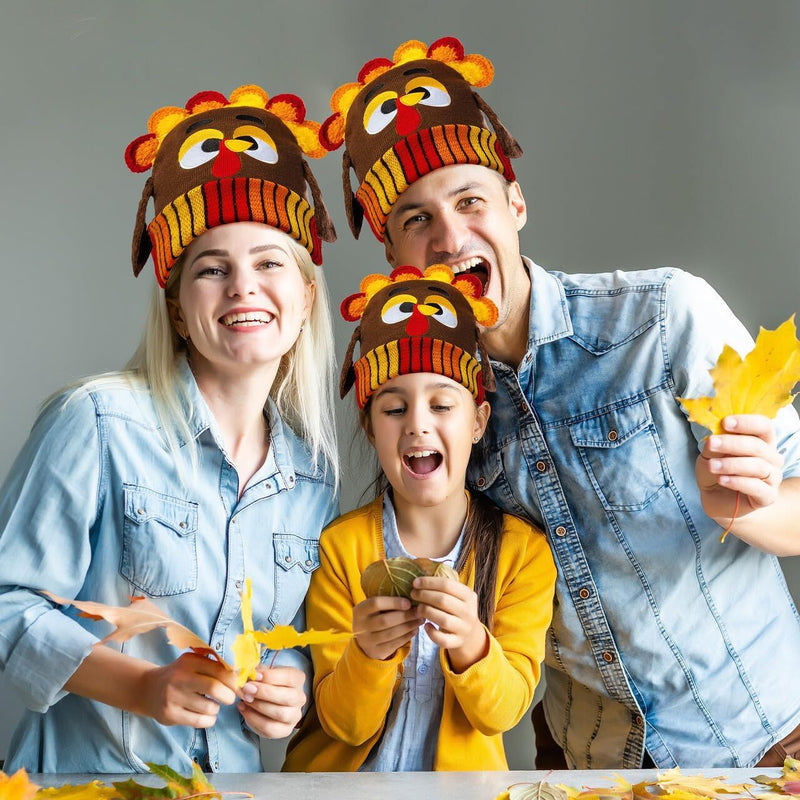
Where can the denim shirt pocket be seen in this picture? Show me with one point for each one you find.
(295, 559)
(488, 470)
(622, 456)
(159, 542)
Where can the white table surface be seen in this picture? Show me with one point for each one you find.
(401, 785)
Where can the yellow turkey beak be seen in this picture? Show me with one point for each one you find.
(237, 145)
(427, 311)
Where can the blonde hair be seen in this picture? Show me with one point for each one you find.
(303, 386)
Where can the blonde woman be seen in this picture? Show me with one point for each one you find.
(210, 458)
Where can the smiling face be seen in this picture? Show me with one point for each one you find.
(468, 217)
(241, 301)
(422, 426)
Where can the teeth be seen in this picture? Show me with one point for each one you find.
(465, 265)
(247, 318)
(421, 453)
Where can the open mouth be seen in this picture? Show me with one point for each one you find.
(474, 266)
(422, 462)
(248, 319)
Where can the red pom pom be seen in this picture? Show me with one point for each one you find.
(205, 97)
(364, 72)
(348, 315)
(328, 141)
(404, 273)
(468, 284)
(291, 100)
(136, 156)
(450, 42)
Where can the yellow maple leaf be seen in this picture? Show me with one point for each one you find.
(681, 787)
(141, 616)
(759, 383)
(96, 790)
(286, 636)
(246, 650)
(17, 786)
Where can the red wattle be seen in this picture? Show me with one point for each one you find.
(226, 163)
(408, 119)
(417, 324)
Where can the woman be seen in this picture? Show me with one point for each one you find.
(210, 458)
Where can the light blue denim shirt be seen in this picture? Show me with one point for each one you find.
(662, 637)
(411, 734)
(95, 509)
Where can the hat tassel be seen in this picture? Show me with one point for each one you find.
(348, 376)
(355, 213)
(324, 223)
(509, 143)
(141, 245)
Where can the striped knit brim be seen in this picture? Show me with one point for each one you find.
(420, 153)
(416, 354)
(219, 202)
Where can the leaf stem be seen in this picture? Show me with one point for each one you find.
(733, 519)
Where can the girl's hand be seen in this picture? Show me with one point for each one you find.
(383, 624)
(272, 704)
(189, 691)
(453, 607)
(744, 460)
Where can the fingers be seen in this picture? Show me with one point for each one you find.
(451, 606)
(383, 624)
(272, 704)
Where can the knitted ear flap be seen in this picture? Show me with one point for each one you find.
(510, 144)
(487, 372)
(325, 227)
(141, 245)
(355, 213)
(348, 376)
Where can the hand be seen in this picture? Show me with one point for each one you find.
(453, 607)
(745, 459)
(384, 624)
(189, 691)
(272, 704)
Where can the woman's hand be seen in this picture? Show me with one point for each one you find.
(383, 624)
(189, 691)
(745, 459)
(453, 608)
(272, 704)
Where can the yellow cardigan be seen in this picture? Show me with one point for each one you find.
(353, 693)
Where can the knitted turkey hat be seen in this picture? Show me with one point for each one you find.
(413, 321)
(221, 160)
(408, 116)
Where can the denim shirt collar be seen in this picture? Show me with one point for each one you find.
(201, 419)
(548, 317)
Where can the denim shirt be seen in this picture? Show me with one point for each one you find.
(95, 509)
(411, 735)
(662, 637)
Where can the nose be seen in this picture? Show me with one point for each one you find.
(448, 236)
(241, 281)
(416, 419)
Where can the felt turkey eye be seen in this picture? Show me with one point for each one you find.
(398, 308)
(262, 145)
(446, 314)
(380, 111)
(431, 92)
(200, 147)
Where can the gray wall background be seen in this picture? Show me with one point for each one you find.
(656, 133)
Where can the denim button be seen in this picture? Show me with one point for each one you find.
(613, 435)
(608, 657)
(584, 593)
(422, 669)
(541, 466)
(481, 482)
(561, 531)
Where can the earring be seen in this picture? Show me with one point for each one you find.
(302, 326)
(475, 439)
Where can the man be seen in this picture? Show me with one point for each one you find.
(667, 646)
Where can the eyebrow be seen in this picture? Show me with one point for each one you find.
(218, 251)
(249, 118)
(397, 290)
(198, 124)
(373, 91)
(437, 290)
(402, 207)
(396, 390)
(417, 71)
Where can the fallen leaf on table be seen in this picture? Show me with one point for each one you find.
(96, 790)
(177, 786)
(672, 780)
(759, 383)
(789, 776)
(141, 616)
(17, 786)
(533, 791)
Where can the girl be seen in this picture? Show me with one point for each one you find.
(434, 681)
(209, 457)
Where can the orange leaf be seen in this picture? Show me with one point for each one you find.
(760, 383)
(141, 616)
(16, 786)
